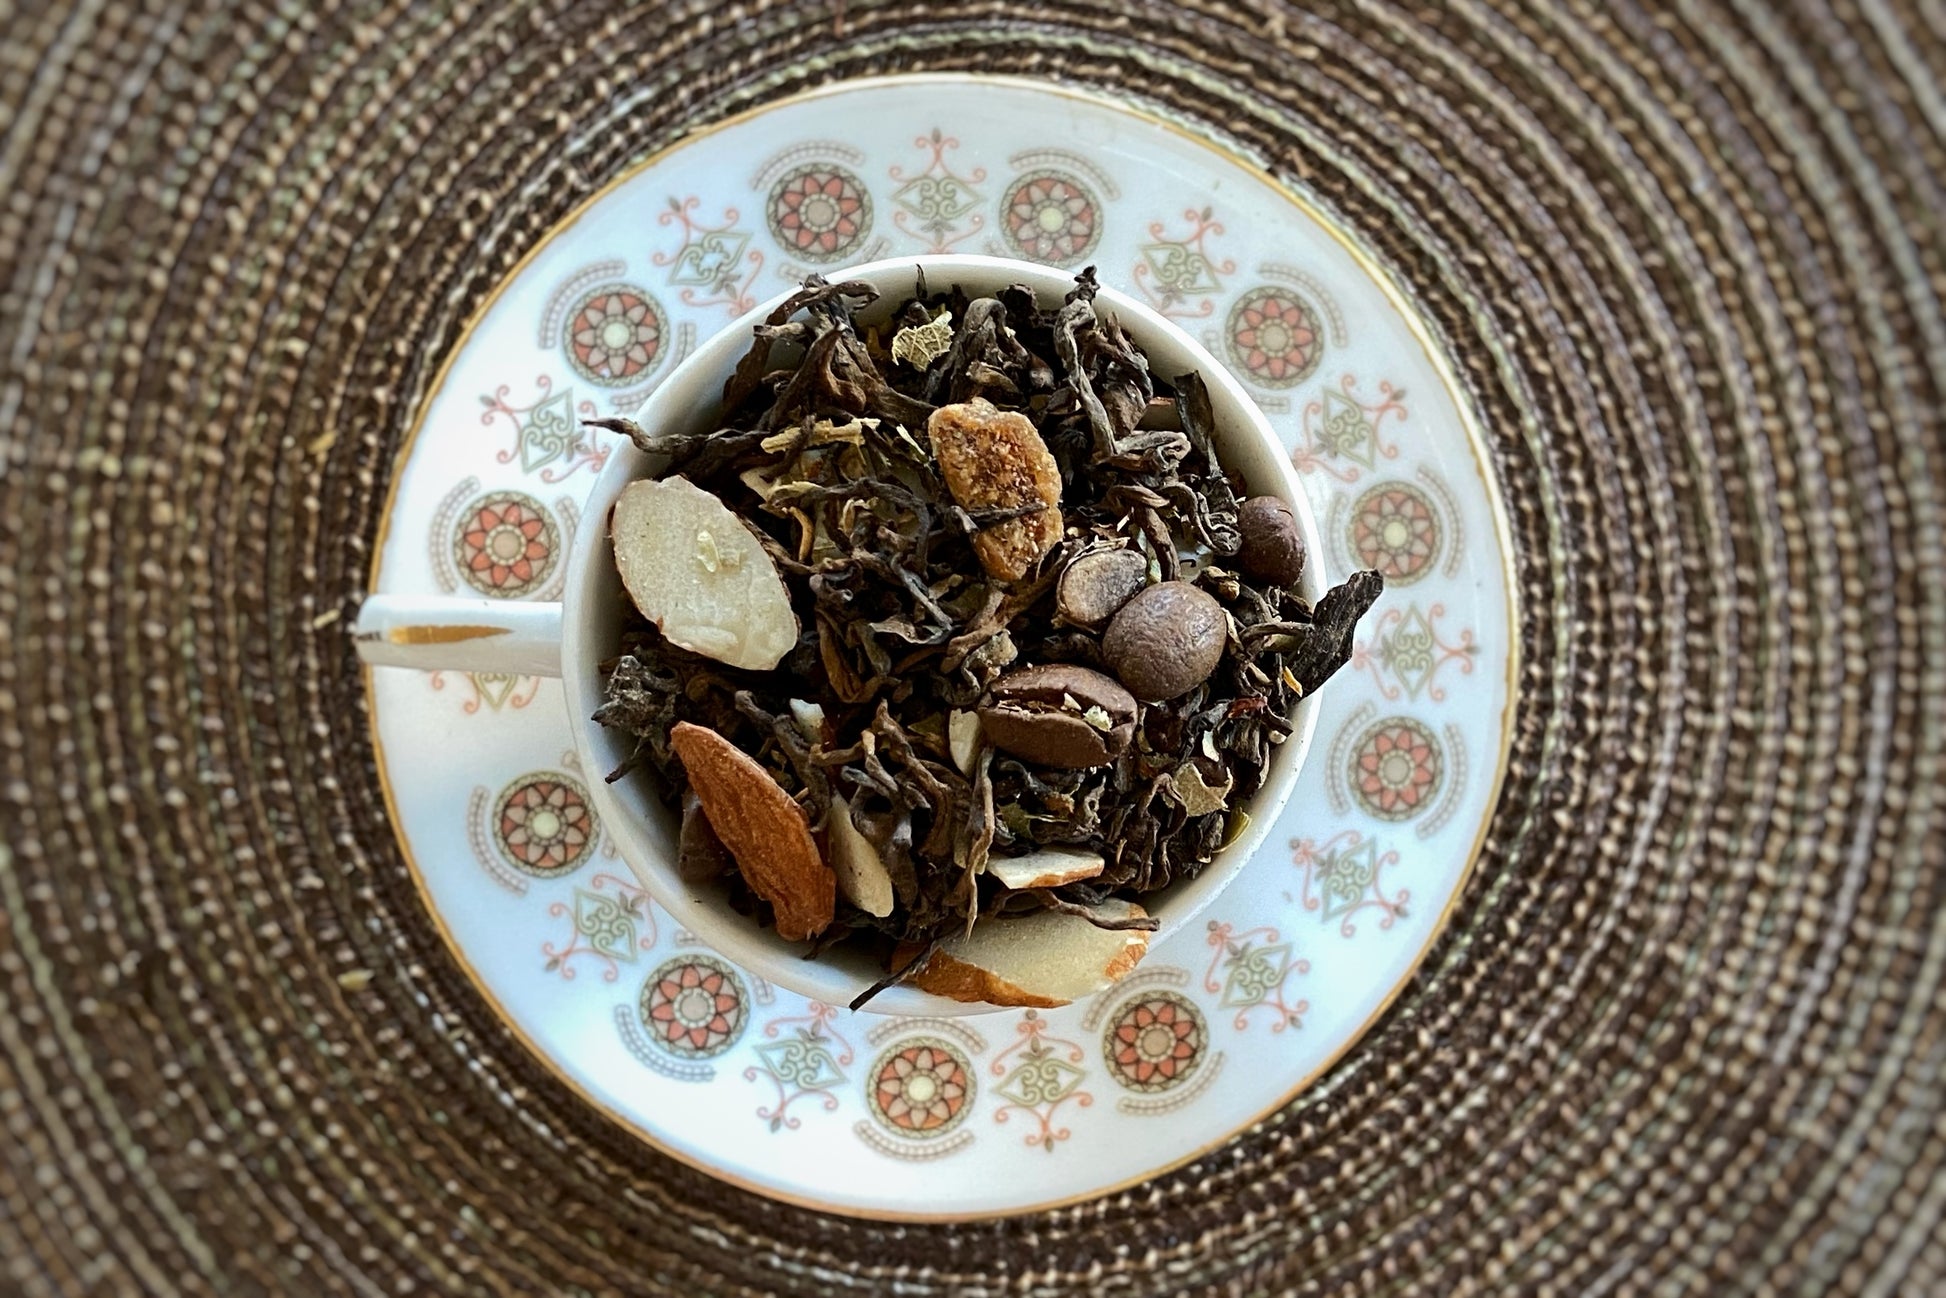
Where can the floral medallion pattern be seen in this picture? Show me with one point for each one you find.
(543, 826)
(1226, 1017)
(1396, 768)
(614, 335)
(1275, 337)
(506, 544)
(1155, 1041)
(921, 1087)
(819, 212)
(1051, 217)
(1395, 529)
(694, 1006)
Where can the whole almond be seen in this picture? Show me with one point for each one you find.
(762, 827)
(995, 459)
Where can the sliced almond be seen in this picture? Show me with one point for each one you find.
(995, 459)
(762, 827)
(862, 875)
(698, 573)
(963, 739)
(1048, 868)
(1042, 960)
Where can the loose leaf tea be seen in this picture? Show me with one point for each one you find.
(1043, 650)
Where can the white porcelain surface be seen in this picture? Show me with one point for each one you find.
(900, 1116)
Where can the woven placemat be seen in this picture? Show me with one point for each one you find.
(1683, 1034)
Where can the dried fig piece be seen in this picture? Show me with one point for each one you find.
(762, 827)
(994, 459)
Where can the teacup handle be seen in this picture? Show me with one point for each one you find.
(436, 633)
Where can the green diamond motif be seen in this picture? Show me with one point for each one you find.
(802, 1063)
(1180, 270)
(550, 431)
(494, 687)
(1345, 875)
(1255, 972)
(608, 925)
(1041, 1079)
(1346, 430)
(936, 200)
(1408, 651)
(712, 261)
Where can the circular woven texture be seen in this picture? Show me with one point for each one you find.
(1682, 1033)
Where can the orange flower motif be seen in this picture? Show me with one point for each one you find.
(544, 826)
(819, 212)
(694, 1006)
(1275, 337)
(921, 1088)
(614, 334)
(1051, 218)
(506, 545)
(1396, 769)
(1155, 1042)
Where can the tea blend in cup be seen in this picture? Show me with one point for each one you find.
(957, 639)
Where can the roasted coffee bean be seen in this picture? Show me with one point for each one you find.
(1059, 715)
(1166, 641)
(1096, 585)
(1273, 547)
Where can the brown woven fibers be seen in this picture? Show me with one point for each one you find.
(1683, 1033)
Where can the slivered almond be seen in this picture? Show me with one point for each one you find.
(995, 459)
(1042, 960)
(762, 827)
(696, 571)
(861, 871)
(1048, 868)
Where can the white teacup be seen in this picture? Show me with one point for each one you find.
(569, 639)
